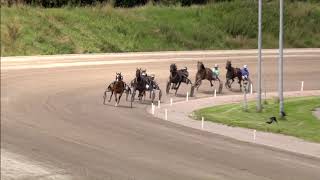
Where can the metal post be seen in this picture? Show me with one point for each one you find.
(166, 114)
(259, 57)
(245, 101)
(280, 86)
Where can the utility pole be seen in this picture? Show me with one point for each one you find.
(280, 85)
(259, 108)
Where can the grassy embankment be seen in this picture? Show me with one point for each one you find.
(299, 122)
(229, 25)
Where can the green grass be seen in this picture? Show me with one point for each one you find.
(299, 122)
(229, 25)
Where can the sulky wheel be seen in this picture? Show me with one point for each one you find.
(128, 91)
(153, 95)
(227, 84)
(245, 86)
(160, 94)
(220, 87)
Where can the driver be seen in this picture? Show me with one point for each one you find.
(216, 71)
(245, 72)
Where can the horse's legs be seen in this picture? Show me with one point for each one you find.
(198, 83)
(226, 84)
(116, 98)
(177, 88)
(104, 96)
(188, 81)
(141, 95)
(174, 85)
(231, 83)
(111, 96)
(120, 97)
(211, 83)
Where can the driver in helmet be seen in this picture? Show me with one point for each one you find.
(216, 71)
(245, 72)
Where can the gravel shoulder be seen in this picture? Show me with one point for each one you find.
(181, 112)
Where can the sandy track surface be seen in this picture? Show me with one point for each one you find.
(15, 166)
(53, 114)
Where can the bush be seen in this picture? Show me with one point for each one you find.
(129, 3)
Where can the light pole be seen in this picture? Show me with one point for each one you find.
(259, 56)
(280, 85)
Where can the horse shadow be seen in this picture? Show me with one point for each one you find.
(237, 90)
(124, 104)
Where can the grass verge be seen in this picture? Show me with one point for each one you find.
(29, 30)
(299, 122)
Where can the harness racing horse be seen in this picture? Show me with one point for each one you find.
(202, 74)
(151, 86)
(232, 73)
(177, 77)
(139, 83)
(117, 87)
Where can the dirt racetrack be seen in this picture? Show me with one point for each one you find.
(52, 113)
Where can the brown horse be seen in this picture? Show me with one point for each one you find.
(232, 73)
(117, 87)
(204, 73)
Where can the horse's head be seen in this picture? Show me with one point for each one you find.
(200, 65)
(138, 72)
(173, 68)
(119, 77)
(228, 64)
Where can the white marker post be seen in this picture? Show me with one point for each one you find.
(152, 108)
(171, 101)
(187, 99)
(251, 91)
(254, 134)
(302, 83)
(215, 93)
(166, 114)
(202, 122)
(159, 104)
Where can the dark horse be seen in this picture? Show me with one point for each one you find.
(139, 83)
(177, 77)
(151, 85)
(116, 87)
(232, 73)
(202, 74)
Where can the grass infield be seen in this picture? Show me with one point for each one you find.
(299, 122)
